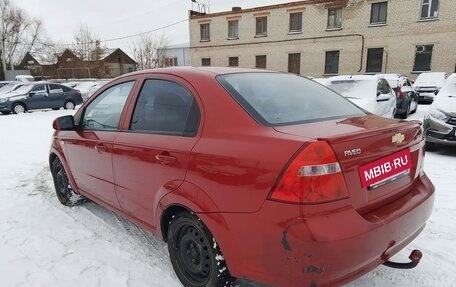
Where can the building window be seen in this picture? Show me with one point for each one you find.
(260, 62)
(294, 63)
(334, 18)
(378, 13)
(205, 32)
(233, 29)
(206, 62)
(374, 60)
(296, 22)
(233, 61)
(332, 62)
(423, 56)
(170, 62)
(262, 26)
(429, 9)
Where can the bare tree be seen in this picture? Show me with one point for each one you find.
(86, 43)
(149, 52)
(18, 33)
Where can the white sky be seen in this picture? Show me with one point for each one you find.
(114, 18)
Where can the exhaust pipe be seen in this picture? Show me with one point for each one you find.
(415, 257)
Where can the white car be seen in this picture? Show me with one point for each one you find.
(440, 121)
(428, 84)
(370, 92)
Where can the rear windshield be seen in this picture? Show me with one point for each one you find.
(275, 99)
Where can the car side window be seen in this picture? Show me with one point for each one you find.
(165, 107)
(53, 88)
(41, 88)
(104, 112)
(383, 87)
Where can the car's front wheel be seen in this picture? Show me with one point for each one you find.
(69, 105)
(62, 185)
(195, 255)
(19, 108)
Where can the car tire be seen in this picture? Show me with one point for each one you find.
(62, 185)
(6, 113)
(18, 108)
(69, 105)
(56, 109)
(430, 146)
(406, 113)
(416, 109)
(194, 253)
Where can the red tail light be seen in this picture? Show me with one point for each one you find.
(400, 93)
(314, 176)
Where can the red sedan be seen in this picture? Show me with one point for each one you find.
(252, 177)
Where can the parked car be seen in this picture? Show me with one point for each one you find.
(11, 87)
(406, 98)
(85, 88)
(440, 120)
(370, 92)
(248, 175)
(428, 84)
(39, 95)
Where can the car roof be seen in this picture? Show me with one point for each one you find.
(355, 78)
(185, 70)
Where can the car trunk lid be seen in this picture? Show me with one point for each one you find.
(360, 141)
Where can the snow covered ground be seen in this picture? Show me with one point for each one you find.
(43, 243)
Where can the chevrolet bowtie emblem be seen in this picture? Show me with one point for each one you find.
(398, 138)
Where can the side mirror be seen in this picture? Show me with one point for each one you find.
(436, 92)
(383, 97)
(378, 94)
(65, 123)
(31, 94)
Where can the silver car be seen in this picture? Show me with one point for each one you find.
(440, 120)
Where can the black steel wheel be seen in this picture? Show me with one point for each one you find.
(194, 253)
(62, 186)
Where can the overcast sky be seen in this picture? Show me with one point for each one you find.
(110, 19)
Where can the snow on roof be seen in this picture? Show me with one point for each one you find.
(449, 88)
(431, 78)
(354, 78)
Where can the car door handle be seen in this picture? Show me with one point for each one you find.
(166, 159)
(100, 147)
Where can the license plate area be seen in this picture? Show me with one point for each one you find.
(386, 170)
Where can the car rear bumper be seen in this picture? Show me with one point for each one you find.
(425, 96)
(439, 132)
(279, 246)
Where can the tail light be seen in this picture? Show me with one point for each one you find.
(313, 176)
(400, 93)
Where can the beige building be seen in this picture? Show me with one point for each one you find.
(329, 37)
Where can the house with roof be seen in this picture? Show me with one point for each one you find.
(68, 64)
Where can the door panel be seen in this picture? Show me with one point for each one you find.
(146, 167)
(39, 100)
(151, 158)
(56, 96)
(90, 159)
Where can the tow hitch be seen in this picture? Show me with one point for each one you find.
(415, 258)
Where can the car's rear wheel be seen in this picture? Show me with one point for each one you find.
(19, 108)
(69, 105)
(195, 255)
(62, 186)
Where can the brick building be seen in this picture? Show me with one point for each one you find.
(329, 37)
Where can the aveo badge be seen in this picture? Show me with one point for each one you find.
(385, 170)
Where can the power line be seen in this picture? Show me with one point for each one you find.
(132, 35)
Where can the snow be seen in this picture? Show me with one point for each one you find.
(43, 243)
(435, 79)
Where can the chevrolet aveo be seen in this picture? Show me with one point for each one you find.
(252, 177)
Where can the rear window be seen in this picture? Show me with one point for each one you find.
(275, 99)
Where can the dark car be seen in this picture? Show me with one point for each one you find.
(40, 95)
(250, 176)
(406, 97)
